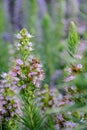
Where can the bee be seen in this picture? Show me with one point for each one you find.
(76, 68)
(35, 61)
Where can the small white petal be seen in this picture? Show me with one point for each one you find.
(18, 36)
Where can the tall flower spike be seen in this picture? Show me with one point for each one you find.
(73, 39)
(25, 74)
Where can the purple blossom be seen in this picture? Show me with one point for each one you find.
(19, 62)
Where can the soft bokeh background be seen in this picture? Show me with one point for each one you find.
(47, 21)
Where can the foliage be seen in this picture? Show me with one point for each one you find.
(32, 118)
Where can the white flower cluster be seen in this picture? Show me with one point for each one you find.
(29, 71)
(52, 99)
(9, 103)
(24, 43)
(28, 35)
(72, 71)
